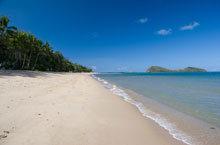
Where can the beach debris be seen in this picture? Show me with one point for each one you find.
(6, 132)
(212, 127)
(39, 114)
(3, 136)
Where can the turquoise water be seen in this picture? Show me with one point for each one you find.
(194, 94)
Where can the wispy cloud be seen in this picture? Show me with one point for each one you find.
(124, 68)
(190, 26)
(142, 20)
(93, 67)
(164, 32)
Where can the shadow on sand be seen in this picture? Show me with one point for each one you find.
(23, 73)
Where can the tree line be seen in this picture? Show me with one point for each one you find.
(20, 50)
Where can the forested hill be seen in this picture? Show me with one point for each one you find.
(162, 69)
(20, 50)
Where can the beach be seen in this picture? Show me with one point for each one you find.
(71, 109)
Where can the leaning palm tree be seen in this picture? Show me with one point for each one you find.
(4, 28)
(5, 33)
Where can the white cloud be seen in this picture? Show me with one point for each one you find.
(143, 20)
(164, 32)
(93, 67)
(190, 26)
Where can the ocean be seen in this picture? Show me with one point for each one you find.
(187, 105)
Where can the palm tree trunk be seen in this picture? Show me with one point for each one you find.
(20, 59)
(36, 60)
(23, 61)
(29, 60)
(16, 60)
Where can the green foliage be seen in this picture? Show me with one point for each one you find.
(23, 51)
(158, 69)
(162, 69)
(192, 69)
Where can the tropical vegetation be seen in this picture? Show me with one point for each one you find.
(20, 50)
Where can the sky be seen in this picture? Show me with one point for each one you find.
(124, 35)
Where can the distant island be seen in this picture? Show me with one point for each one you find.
(162, 69)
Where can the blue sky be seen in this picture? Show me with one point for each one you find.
(124, 35)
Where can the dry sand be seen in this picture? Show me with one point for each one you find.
(38, 108)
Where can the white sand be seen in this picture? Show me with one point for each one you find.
(70, 109)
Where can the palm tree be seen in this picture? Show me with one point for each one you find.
(32, 43)
(5, 33)
(24, 49)
(19, 50)
(39, 46)
(4, 28)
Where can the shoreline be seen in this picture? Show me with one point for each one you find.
(70, 108)
(180, 125)
(129, 96)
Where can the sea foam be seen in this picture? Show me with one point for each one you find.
(159, 119)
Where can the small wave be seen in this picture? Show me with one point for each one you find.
(163, 122)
